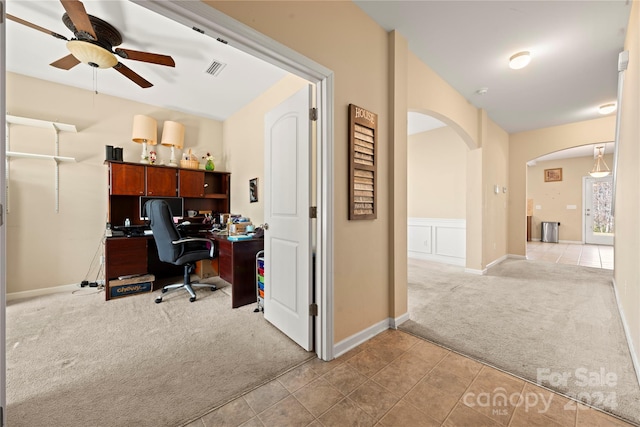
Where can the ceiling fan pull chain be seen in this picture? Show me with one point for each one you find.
(95, 80)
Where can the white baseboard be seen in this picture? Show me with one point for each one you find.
(634, 355)
(436, 258)
(356, 339)
(394, 323)
(474, 271)
(513, 256)
(42, 291)
(496, 262)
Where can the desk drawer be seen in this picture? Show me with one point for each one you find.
(126, 256)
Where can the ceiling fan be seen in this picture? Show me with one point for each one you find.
(93, 44)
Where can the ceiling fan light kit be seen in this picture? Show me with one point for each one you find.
(519, 60)
(91, 54)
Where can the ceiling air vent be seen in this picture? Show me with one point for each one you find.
(215, 68)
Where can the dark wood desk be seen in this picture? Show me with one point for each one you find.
(139, 255)
(237, 263)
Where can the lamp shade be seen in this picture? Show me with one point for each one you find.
(91, 54)
(145, 130)
(173, 134)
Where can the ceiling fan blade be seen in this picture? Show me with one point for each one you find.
(35, 27)
(153, 58)
(76, 11)
(132, 75)
(66, 63)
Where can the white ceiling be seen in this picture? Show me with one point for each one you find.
(184, 88)
(575, 45)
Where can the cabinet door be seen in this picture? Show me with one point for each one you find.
(161, 181)
(191, 183)
(126, 179)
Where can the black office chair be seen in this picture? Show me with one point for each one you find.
(174, 249)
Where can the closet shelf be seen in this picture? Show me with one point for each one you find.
(40, 156)
(25, 121)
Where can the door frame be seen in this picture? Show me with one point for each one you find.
(236, 34)
(3, 228)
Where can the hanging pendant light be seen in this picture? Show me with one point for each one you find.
(600, 168)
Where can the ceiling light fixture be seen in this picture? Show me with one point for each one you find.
(607, 108)
(520, 60)
(91, 54)
(600, 168)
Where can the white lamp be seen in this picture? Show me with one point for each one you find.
(520, 60)
(173, 136)
(600, 168)
(145, 131)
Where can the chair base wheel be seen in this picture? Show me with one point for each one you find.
(164, 290)
(213, 288)
(158, 300)
(192, 299)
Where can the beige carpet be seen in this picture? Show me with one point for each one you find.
(555, 325)
(76, 360)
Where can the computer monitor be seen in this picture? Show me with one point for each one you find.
(176, 204)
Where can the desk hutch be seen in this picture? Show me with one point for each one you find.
(201, 190)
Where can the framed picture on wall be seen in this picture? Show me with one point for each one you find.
(551, 175)
(253, 190)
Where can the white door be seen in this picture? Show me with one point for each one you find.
(287, 189)
(598, 220)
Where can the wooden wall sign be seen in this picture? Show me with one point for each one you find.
(363, 127)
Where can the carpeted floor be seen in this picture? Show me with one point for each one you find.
(76, 360)
(555, 325)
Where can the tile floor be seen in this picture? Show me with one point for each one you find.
(598, 256)
(396, 379)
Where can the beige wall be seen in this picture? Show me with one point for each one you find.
(627, 206)
(243, 136)
(332, 34)
(495, 158)
(437, 174)
(48, 249)
(554, 197)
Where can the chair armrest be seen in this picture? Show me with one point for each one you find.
(192, 239)
(184, 240)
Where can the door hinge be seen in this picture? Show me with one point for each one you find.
(313, 114)
(313, 212)
(313, 309)
(1, 214)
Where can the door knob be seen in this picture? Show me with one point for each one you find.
(266, 226)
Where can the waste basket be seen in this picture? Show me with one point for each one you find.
(550, 232)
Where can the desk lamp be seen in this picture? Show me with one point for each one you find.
(173, 136)
(145, 131)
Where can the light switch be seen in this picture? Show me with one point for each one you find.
(496, 189)
(538, 207)
(572, 207)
